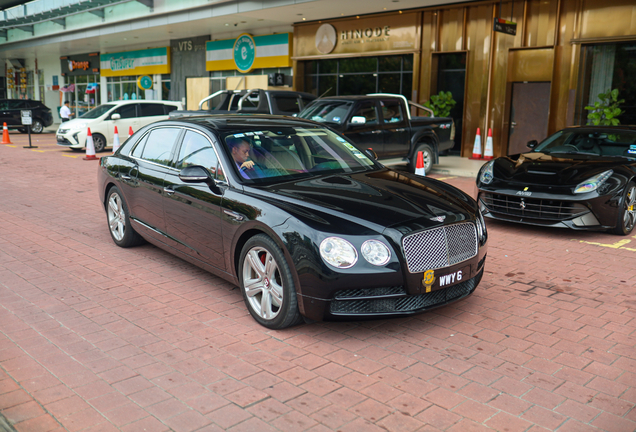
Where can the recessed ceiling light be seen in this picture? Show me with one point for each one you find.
(227, 24)
(304, 18)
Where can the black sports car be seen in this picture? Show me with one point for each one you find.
(297, 216)
(581, 178)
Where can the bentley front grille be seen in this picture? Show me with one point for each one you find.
(440, 247)
(414, 303)
(533, 208)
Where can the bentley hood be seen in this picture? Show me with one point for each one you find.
(556, 169)
(376, 200)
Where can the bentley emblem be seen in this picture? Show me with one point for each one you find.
(522, 204)
(439, 218)
(428, 280)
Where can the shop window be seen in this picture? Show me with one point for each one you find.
(606, 67)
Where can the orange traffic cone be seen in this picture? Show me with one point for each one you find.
(419, 166)
(115, 140)
(90, 147)
(477, 146)
(5, 134)
(130, 131)
(488, 150)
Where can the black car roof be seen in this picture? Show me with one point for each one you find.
(232, 121)
(600, 128)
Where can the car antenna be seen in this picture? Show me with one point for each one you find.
(328, 90)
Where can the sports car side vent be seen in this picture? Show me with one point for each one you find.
(440, 247)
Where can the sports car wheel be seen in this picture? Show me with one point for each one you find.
(627, 213)
(429, 157)
(119, 220)
(267, 284)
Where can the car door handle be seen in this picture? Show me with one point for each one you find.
(125, 177)
(400, 130)
(168, 191)
(376, 131)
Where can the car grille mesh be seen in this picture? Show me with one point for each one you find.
(532, 208)
(370, 292)
(403, 304)
(440, 247)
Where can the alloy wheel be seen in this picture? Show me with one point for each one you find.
(116, 217)
(262, 283)
(629, 217)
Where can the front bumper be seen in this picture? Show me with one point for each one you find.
(404, 293)
(72, 138)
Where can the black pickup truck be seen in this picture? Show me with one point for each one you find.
(383, 123)
(254, 101)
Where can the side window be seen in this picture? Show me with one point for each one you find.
(159, 145)
(197, 150)
(127, 111)
(151, 109)
(4, 104)
(368, 111)
(17, 104)
(287, 104)
(139, 148)
(167, 109)
(391, 111)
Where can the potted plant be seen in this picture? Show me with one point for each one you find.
(605, 111)
(441, 104)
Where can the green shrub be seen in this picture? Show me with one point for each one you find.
(605, 112)
(441, 104)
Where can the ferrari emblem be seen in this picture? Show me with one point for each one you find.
(428, 280)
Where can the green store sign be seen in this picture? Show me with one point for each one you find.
(244, 52)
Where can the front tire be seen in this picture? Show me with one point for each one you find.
(267, 284)
(627, 211)
(99, 141)
(37, 126)
(118, 219)
(429, 158)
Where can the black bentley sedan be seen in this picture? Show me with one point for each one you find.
(582, 178)
(304, 222)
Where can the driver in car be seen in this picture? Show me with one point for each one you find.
(240, 153)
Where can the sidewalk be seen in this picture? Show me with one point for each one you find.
(458, 166)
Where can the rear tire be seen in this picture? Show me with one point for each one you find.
(627, 211)
(429, 158)
(118, 219)
(267, 284)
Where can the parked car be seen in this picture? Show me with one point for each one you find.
(103, 119)
(582, 178)
(11, 114)
(383, 122)
(254, 101)
(309, 226)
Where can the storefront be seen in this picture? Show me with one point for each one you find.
(81, 82)
(141, 74)
(522, 85)
(358, 55)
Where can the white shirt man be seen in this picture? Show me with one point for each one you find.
(65, 112)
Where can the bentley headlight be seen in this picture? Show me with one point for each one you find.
(375, 252)
(593, 183)
(486, 175)
(338, 252)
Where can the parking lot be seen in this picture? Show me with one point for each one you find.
(98, 338)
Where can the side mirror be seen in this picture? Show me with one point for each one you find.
(532, 144)
(198, 174)
(373, 155)
(115, 116)
(358, 120)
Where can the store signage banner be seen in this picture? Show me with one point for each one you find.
(269, 51)
(141, 62)
(80, 64)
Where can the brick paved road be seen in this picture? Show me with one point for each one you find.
(98, 338)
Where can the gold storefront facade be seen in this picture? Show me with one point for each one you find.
(523, 87)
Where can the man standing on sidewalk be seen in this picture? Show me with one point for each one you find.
(65, 112)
